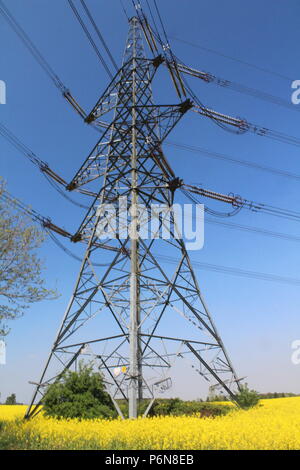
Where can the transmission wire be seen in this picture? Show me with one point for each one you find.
(30, 46)
(99, 34)
(90, 39)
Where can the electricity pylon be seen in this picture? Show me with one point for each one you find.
(125, 304)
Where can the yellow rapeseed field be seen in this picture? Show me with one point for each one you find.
(274, 424)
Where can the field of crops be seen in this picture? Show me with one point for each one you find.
(274, 424)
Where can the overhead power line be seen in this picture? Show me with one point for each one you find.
(208, 77)
(67, 251)
(45, 223)
(100, 36)
(91, 41)
(34, 215)
(256, 230)
(236, 271)
(49, 227)
(124, 9)
(261, 69)
(153, 20)
(242, 125)
(227, 158)
(40, 59)
(193, 192)
(226, 122)
(42, 165)
(161, 21)
(53, 178)
(30, 46)
(34, 159)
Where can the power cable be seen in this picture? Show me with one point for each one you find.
(31, 47)
(40, 164)
(154, 22)
(124, 9)
(224, 121)
(45, 223)
(161, 22)
(208, 77)
(227, 158)
(40, 59)
(256, 230)
(99, 34)
(69, 252)
(276, 74)
(36, 217)
(210, 211)
(236, 271)
(244, 125)
(238, 202)
(211, 267)
(90, 39)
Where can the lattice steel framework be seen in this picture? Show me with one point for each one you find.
(125, 304)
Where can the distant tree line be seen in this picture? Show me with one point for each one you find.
(261, 396)
(277, 395)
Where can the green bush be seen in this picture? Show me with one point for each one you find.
(177, 407)
(247, 398)
(166, 407)
(79, 395)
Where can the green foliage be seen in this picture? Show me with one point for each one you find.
(215, 398)
(177, 407)
(79, 395)
(166, 407)
(277, 395)
(21, 283)
(11, 399)
(7, 441)
(247, 398)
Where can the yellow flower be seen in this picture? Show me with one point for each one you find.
(275, 424)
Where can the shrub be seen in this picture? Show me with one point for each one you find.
(247, 398)
(79, 395)
(177, 407)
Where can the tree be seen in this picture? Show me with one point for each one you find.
(11, 399)
(21, 283)
(247, 398)
(79, 395)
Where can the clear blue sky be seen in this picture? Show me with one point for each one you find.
(258, 320)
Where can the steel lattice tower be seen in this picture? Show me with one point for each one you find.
(126, 304)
